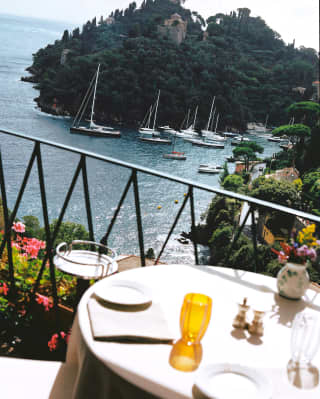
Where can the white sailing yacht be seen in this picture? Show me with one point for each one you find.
(155, 134)
(189, 132)
(212, 134)
(93, 129)
(209, 142)
(145, 126)
(207, 130)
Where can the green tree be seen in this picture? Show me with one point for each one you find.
(224, 173)
(296, 133)
(279, 192)
(243, 61)
(68, 232)
(233, 183)
(32, 226)
(247, 152)
(311, 190)
(65, 36)
(307, 112)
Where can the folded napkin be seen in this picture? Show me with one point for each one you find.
(128, 324)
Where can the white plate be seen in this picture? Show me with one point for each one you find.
(229, 381)
(123, 292)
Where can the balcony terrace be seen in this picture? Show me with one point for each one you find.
(40, 146)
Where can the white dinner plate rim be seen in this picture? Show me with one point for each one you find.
(263, 384)
(101, 291)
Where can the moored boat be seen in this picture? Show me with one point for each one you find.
(207, 144)
(145, 126)
(93, 129)
(180, 156)
(154, 140)
(209, 168)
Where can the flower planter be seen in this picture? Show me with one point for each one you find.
(65, 316)
(293, 280)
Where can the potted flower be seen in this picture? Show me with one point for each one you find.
(16, 318)
(293, 279)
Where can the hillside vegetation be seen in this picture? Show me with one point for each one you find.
(236, 57)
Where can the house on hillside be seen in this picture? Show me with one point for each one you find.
(286, 174)
(299, 90)
(174, 28)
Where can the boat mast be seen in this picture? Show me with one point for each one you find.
(195, 117)
(149, 117)
(212, 119)
(215, 129)
(187, 124)
(155, 114)
(208, 124)
(94, 95)
(84, 104)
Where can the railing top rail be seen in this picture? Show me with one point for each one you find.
(252, 201)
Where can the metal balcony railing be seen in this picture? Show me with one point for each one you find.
(133, 181)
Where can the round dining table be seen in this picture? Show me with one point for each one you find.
(142, 370)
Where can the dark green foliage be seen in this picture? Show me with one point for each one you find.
(243, 258)
(224, 173)
(312, 155)
(150, 253)
(243, 62)
(233, 183)
(221, 204)
(68, 232)
(32, 226)
(247, 152)
(246, 177)
(305, 137)
(219, 242)
(307, 112)
(295, 132)
(282, 159)
(279, 192)
(311, 191)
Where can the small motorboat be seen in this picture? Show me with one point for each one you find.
(175, 155)
(183, 240)
(276, 139)
(237, 140)
(209, 168)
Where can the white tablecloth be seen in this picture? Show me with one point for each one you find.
(118, 370)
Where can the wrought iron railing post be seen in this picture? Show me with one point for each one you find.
(7, 228)
(172, 227)
(104, 239)
(87, 197)
(193, 226)
(138, 215)
(254, 239)
(20, 194)
(49, 243)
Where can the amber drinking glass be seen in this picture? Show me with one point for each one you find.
(195, 314)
